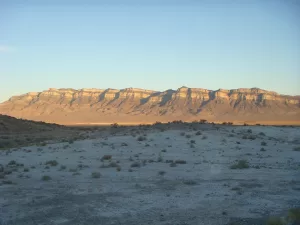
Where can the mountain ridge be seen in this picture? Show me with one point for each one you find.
(109, 105)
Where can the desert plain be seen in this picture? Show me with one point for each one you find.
(163, 174)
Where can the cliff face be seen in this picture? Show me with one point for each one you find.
(183, 102)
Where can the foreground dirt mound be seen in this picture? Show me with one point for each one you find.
(19, 132)
(10, 124)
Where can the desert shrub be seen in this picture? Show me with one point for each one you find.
(62, 167)
(204, 137)
(188, 136)
(249, 131)
(164, 150)
(113, 164)
(198, 133)
(76, 174)
(161, 173)
(294, 215)
(180, 161)
(193, 141)
(297, 149)
(251, 137)
(182, 133)
(263, 143)
(118, 168)
(159, 158)
(7, 182)
(6, 144)
(114, 125)
(241, 164)
(141, 138)
(81, 166)
(202, 121)
(46, 178)
(262, 149)
(262, 133)
(52, 163)
(130, 170)
(135, 164)
(124, 144)
(190, 182)
(96, 175)
(26, 170)
(106, 157)
(71, 141)
(173, 164)
(12, 162)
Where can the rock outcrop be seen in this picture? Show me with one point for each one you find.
(55, 105)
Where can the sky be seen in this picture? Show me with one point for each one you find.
(157, 45)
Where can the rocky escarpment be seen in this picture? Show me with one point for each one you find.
(184, 103)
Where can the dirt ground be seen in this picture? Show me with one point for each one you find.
(184, 175)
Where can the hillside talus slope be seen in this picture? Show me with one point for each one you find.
(132, 105)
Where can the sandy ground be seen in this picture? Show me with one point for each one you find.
(203, 191)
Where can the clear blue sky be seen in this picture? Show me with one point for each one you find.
(151, 44)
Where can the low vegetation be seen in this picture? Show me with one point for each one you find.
(241, 164)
